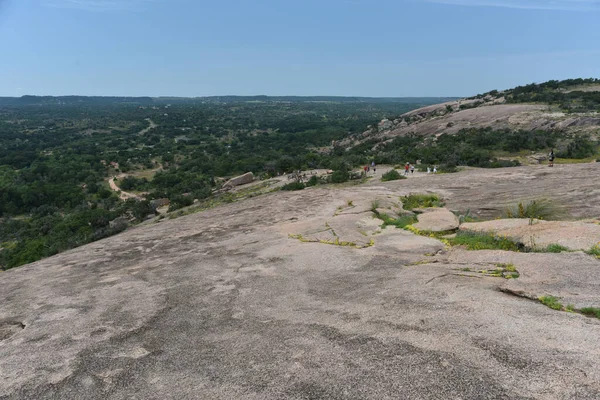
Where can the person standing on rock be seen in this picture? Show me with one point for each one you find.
(551, 158)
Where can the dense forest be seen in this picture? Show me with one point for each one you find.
(57, 153)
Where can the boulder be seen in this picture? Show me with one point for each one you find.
(436, 220)
(239, 180)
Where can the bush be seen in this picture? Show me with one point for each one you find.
(421, 201)
(391, 175)
(340, 176)
(535, 209)
(293, 186)
(400, 222)
(313, 181)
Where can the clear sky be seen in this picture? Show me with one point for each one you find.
(284, 47)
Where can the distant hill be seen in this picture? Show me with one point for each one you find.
(565, 107)
(101, 100)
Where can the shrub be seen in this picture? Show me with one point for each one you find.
(339, 176)
(484, 241)
(421, 201)
(538, 209)
(313, 181)
(293, 186)
(392, 175)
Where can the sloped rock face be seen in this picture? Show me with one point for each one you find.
(447, 118)
(239, 180)
(224, 304)
(436, 220)
(574, 235)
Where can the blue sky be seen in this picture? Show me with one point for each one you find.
(284, 47)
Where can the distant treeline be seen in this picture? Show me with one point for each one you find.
(151, 101)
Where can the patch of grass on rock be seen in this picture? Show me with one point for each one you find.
(594, 251)
(555, 248)
(413, 201)
(400, 222)
(484, 241)
(591, 312)
(552, 302)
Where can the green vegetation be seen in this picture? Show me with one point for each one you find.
(313, 181)
(293, 186)
(484, 241)
(594, 251)
(535, 209)
(475, 147)
(591, 312)
(392, 175)
(413, 201)
(566, 94)
(552, 302)
(400, 222)
(506, 271)
(56, 155)
(555, 248)
(555, 304)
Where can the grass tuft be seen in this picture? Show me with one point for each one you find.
(400, 222)
(594, 251)
(591, 311)
(552, 302)
(535, 209)
(555, 248)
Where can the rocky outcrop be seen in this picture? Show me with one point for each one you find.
(239, 180)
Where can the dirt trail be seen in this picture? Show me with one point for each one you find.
(122, 194)
(146, 130)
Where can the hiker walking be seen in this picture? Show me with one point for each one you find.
(412, 169)
(435, 169)
(551, 158)
(406, 167)
(428, 170)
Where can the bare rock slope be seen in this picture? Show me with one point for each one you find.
(232, 304)
(450, 118)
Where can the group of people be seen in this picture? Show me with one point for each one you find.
(411, 168)
(368, 168)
